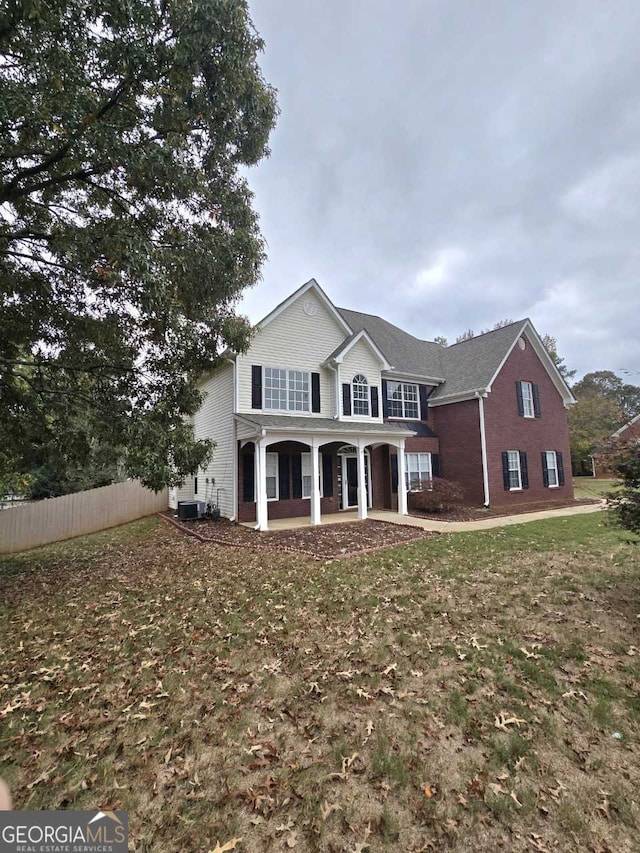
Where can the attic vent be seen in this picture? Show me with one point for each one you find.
(522, 343)
(309, 307)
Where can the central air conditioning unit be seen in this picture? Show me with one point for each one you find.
(188, 510)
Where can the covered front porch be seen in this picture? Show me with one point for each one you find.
(312, 468)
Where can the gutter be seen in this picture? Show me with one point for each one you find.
(483, 446)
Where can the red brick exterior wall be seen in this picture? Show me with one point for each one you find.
(419, 444)
(289, 508)
(458, 428)
(507, 430)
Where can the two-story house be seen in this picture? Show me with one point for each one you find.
(331, 409)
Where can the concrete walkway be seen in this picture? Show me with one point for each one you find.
(431, 524)
(483, 523)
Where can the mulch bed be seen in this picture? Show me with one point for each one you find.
(327, 541)
(468, 513)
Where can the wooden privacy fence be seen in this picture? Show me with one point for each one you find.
(51, 520)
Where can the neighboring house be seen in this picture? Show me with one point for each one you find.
(332, 409)
(601, 459)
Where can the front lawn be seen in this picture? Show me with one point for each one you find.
(468, 692)
(591, 487)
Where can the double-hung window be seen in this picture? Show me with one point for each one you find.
(306, 475)
(515, 474)
(286, 390)
(402, 400)
(272, 476)
(418, 468)
(360, 395)
(528, 408)
(552, 468)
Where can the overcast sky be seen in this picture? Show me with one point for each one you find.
(450, 164)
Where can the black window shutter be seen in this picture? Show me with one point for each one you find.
(375, 406)
(248, 477)
(256, 386)
(296, 475)
(545, 470)
(385, 401)
(346, 398)
(315, 392)
(519, 395)
(536, 400)
(505, 471)
(283, 476)
(195, 485)
(394, 473)
(524, 470)
(560, 463)
(435, 464)
(424, 395)
(327, 475)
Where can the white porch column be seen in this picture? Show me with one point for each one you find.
(315, 482)
(262, 522)
(362, 481)
(402, 480)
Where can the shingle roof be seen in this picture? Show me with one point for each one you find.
(471, 365)
(465, 367)
(406, 353)
(300, 424)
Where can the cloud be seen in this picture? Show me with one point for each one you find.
(458, 164)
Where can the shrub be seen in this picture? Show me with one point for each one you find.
(436, 495)
(624, 503)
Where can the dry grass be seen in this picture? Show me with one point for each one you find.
(456, 693)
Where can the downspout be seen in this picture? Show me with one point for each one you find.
(234, 407)
(483, 446)
(336, 415)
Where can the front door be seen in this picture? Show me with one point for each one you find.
(350, 481)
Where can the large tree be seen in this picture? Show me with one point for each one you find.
(606, 384)
(127, 231)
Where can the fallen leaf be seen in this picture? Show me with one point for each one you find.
(230, 845)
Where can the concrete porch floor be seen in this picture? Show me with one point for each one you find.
(429, 524)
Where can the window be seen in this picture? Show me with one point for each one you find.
(306, 475)
(552, 468)
(272, 476)
(418, 468)
(286, 390)
(515, 475)
(527, 400)
(360, 395)
(402, 400)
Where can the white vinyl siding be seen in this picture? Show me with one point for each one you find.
(360, 360)
(214, 420)
(294, 340)
(527, 400)
(417, 469)
(515, 475)
(552, 469)
(402, 400)
(272, 476)
(286, 390)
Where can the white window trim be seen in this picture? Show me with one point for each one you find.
(519, 469)
(429, 472)
(277, 455)
(366, 385)
(310, 474)
(529, 400)
(287, 370)
(403, 402)
(553, 467)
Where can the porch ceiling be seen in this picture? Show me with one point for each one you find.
(291, 424)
